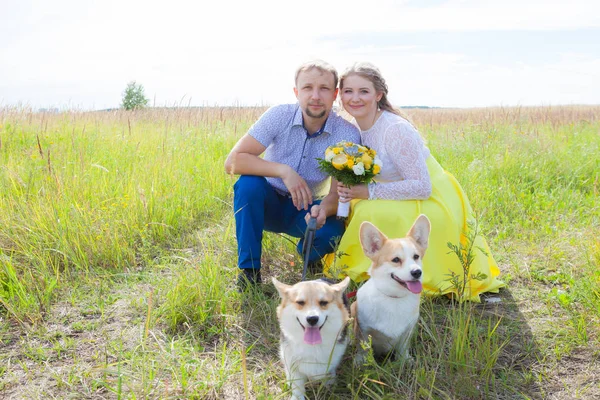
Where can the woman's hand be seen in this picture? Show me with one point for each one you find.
(347, 193)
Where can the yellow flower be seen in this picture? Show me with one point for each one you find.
(367, 160)
(350, 162)
(337, 150)
(376, 169)
(339, 161)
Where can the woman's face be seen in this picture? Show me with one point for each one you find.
(359, 97)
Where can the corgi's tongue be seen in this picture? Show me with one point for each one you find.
(414, 286)
(312, 335)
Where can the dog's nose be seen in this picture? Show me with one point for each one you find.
(312, 320)
(416, 273)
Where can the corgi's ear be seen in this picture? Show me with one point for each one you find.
(371, 239)
(420, 231)
(341, 286)
(282, 288)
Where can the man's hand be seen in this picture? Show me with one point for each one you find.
(319, 213)
(347, 193)
(298, 188)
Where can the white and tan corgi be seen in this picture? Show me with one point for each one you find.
(387, 305)
(313, 318)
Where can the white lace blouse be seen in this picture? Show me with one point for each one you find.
(404, 174)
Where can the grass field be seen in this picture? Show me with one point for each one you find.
(117, 261)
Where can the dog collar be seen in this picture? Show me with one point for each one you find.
(385, 294)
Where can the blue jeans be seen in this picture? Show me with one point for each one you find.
(258, 207)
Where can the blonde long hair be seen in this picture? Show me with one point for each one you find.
(369, 71)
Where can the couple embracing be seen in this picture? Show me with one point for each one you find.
(279, 191)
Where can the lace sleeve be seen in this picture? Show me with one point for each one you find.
(404, 146)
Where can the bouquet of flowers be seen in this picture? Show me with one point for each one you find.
(351, 164)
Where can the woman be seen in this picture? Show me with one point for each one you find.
(411, 183)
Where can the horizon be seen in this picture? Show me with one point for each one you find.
(437, 54)
(336, 108)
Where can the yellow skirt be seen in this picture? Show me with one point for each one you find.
(449, 211)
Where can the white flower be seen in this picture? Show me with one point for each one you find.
(329, 155)
(359, 169)
(377, 160)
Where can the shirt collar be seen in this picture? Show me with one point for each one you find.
(299, 121)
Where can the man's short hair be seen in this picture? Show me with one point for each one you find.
(321, 66)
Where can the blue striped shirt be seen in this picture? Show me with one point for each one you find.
(281, 130)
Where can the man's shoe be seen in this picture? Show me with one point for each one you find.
(248, 277)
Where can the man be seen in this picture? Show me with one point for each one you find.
(275, 192)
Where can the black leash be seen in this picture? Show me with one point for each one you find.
(309, 238)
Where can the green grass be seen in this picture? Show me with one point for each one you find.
(117, 262)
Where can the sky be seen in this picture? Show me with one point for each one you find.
(81, 54)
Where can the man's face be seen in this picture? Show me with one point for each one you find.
(315, 93)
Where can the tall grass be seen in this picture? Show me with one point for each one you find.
(123, 222)
(89, 191)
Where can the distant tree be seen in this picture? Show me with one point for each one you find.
(134, 97)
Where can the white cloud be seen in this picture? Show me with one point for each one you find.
(475, 15)
(443, 80)
(83, 53)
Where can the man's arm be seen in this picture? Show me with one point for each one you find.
(244, 160)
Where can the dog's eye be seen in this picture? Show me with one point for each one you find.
(416, 257)
(396, 260)
(301, 303)
(323, 303)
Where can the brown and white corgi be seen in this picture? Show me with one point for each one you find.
(313, 318)
(387, 305)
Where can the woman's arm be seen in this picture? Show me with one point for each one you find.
(405, 147)
(328, 206)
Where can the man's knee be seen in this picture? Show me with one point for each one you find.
(334, 227)
(329, 235)
(249, 187)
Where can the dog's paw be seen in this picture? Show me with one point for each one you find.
(330, 382)
(297, 395)
(360, 359)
